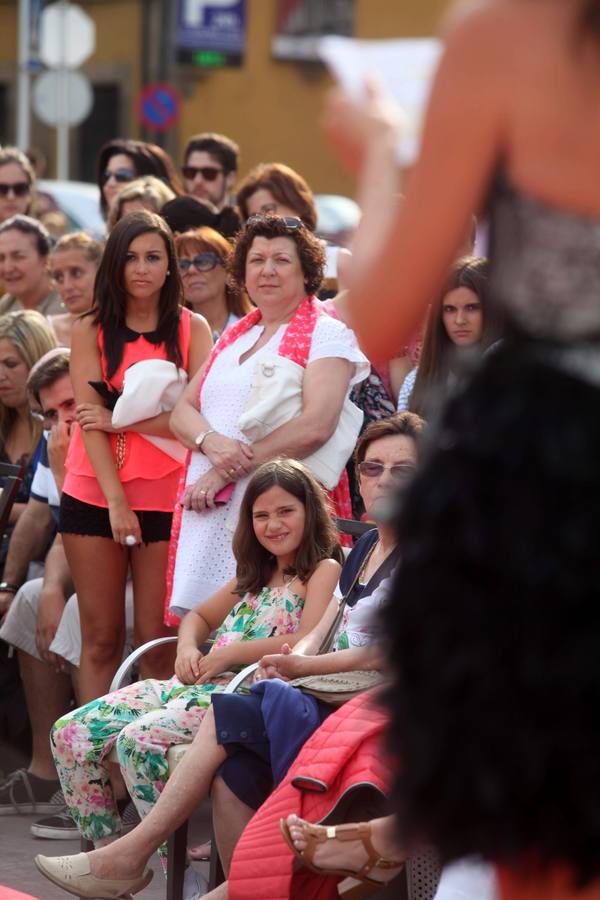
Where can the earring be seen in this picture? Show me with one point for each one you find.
(168, 271)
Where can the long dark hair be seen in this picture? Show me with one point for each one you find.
(438, 357)
(255, 565)
(148, 159)
(110, 296)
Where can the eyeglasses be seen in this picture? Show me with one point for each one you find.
(204, 262)
(209, 173)
(372, 469)
(120, 175)
(290, 222)
(19, 189)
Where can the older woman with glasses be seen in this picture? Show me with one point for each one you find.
(280, 264)
(203, 255)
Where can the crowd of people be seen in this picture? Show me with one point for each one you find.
(201, 429)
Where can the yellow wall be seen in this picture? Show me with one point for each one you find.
(271, 108)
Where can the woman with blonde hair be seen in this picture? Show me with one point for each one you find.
(147, 192)
(24, 338)
(74, 261)
(203, 254)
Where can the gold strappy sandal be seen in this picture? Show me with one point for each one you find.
(358, 884)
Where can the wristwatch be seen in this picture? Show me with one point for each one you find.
(202, 437)
(7, 588)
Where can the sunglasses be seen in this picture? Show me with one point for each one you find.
(290, 222)
(120, 175)
(209, 173)
(19, 189)
(401, 472)
(204, 262)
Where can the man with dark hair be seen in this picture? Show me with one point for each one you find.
(210, 168)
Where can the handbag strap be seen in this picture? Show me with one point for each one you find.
(328, 639)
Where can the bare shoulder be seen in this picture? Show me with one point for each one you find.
(327, 568)
(85, 331)
(490, 28)
(199, 325)
(200, 334)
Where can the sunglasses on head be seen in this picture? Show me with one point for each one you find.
(291, 222)
(120, 175)
(19, 189)
(372, 469)
(204, 262)
(209, 173)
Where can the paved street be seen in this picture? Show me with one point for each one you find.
(18, 847)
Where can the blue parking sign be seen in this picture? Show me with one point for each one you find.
(215, 27)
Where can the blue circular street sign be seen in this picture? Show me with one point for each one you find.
(159, 106)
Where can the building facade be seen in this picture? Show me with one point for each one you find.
(269, 100)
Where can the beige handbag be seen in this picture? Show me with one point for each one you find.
(276, 397)
(337, 688)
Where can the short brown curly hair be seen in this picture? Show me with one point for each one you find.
(311, 251)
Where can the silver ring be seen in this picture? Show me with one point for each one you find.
(202, 492)
(130, 540)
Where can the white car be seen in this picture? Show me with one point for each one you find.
(337, 218)
(80, 202)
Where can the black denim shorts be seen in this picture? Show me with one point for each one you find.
(77, 517)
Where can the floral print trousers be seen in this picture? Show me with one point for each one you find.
(142, 721)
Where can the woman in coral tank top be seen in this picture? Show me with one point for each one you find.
(121, 488)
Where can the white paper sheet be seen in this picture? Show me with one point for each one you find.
(405, 67)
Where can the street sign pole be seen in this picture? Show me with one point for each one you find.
(63, 97)
(62, 126)
(23, 78)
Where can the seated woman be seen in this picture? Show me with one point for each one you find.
(386, 454)
(461, 325)
(203, 255)
(284, 546)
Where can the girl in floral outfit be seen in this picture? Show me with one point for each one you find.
(286, 549)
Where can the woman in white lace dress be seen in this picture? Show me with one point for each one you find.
(280, 263)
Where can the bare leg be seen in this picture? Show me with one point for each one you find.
(149, 570)
(47, 693)
(99, 569)
(187, 786)
(219, 893)
(230, 817)
(351, 855)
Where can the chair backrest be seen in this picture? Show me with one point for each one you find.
(353, 527)
(12, 476)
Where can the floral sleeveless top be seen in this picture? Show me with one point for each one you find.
(272, 611)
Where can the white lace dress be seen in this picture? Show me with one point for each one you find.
(204, 560)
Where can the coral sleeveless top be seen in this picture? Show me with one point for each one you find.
(149, 476)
